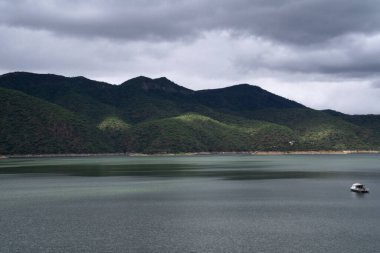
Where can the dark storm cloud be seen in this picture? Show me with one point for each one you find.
(351, 56)
(288, 46)
(300, 22)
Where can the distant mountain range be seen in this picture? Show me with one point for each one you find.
(45, 114)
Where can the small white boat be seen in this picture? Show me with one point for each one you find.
(360, 188)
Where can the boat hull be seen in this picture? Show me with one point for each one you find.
(359, 191)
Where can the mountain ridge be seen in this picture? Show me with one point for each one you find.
(146, 115)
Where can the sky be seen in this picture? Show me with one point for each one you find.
(324, 54)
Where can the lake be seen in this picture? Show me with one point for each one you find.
(232, 203)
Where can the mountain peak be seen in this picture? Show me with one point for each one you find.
(80, 78)
(139, 79)
(244, 86)
(157, 84)
(244, 97)
(24, 74)
(163, 78)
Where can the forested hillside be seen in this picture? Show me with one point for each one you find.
(44, 113)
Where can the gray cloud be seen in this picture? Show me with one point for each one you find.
(351, 56)
(376, 84)
(299, 22)
(288, 47)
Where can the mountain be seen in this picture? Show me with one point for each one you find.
(243, 99)
(161, 84)
(45, 113)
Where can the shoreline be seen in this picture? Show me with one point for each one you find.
(259, 153)
(320, 152)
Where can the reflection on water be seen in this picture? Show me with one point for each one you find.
(227, 167)
(358, 195)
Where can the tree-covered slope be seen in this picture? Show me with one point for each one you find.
(78, 94)
(57, 114)
(196, 133)
(243, 99)
(30, 125)
(317, 129)
(369, 124)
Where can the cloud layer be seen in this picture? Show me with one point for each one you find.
(321, 53)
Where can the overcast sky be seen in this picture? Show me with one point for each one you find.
(322, 53)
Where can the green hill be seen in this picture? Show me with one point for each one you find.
(31, 126)
(196, 133)
(44, 113)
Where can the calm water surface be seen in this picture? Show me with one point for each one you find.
(190, 204)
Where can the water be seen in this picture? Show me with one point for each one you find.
(190, 204)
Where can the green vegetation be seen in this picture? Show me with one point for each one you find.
(30, 125)
(116, 130)
(112, 124)
(55, 114)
